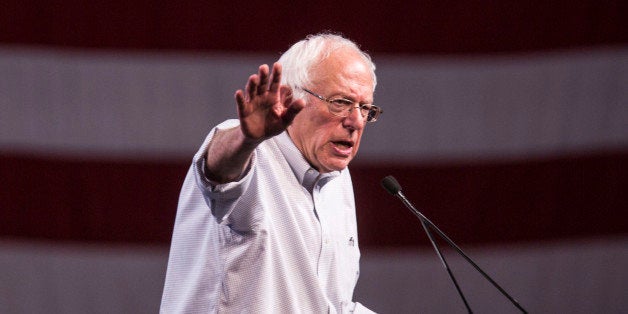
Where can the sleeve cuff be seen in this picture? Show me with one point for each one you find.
(221, 198)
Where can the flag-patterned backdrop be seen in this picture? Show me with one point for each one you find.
(506, 122)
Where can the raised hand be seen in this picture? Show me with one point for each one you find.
(266, 108)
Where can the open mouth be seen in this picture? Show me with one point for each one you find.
(343, 148)
(343, 144)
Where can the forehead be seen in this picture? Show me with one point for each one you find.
(345, 70)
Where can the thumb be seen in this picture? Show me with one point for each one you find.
(293, 106)
(293, 109)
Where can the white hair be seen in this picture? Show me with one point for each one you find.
(298, 61)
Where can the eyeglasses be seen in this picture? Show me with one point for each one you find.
(342, 107)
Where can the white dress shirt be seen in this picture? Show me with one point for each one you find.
(282, 239)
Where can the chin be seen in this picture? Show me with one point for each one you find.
(337, 166)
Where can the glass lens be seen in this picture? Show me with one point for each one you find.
(340, 106)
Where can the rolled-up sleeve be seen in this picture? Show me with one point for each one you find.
(221, 198)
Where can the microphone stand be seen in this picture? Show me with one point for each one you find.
(396, 190)
(442, 259)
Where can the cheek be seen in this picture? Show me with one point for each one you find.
(357, 145)
(319, 127)
(320, 137)
(315, 134)
(311, 119)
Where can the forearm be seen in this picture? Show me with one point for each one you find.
(228, 155)
(265, 109)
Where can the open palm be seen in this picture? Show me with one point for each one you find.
(266, 108)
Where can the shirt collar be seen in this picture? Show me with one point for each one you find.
(302, 169)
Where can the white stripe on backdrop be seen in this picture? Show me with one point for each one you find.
(162, 105)
(564, 277)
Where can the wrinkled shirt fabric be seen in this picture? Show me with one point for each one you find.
(282, 239)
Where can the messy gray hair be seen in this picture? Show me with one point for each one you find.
(298, 61)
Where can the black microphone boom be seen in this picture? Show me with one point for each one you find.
(391, 185)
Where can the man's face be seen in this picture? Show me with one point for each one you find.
(329, 142)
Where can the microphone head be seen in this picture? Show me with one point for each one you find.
(391, 185)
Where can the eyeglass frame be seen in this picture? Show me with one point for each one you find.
(370, 116)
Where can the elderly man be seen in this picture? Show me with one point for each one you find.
(266, 218)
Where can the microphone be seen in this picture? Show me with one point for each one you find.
(390, 184)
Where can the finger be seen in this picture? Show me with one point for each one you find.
(239, 97)
(275, 78)
(251, 86)
(263, 73)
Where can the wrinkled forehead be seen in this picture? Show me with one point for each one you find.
(343, 67)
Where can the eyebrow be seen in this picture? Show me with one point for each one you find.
(349, 98)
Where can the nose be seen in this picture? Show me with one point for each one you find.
(354, 120)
